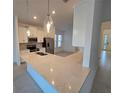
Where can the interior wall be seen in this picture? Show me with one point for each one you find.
(96, 35)
(99, 17)
(92, 43)
(68, 41)
(106, 10)
(88, 31)
(106, 16)
(60, 48)
(16, 54)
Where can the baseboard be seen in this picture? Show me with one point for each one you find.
(87, 86)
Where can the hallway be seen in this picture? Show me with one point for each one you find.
(102, 81)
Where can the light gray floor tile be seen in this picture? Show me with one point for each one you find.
(102, 81)
(22, 82)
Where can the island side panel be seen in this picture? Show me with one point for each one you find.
(41, 82)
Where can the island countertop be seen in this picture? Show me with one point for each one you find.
(65, 74)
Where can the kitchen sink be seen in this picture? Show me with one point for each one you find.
(41, 53)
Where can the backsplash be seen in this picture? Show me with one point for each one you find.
(23, 46)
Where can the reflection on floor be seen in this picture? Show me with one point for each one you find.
(64, 53)
(102, 81)
(22, 82)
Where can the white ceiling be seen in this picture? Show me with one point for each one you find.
(63, 19)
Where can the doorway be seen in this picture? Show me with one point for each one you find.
(106, 36)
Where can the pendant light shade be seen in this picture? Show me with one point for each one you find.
(48, 22)
(27, 27)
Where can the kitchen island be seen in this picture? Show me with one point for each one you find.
(55, 74)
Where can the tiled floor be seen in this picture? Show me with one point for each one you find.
(102, 81)
(22, 82)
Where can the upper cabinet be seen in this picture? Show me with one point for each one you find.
(82, 21)
(40, 35)
(34, 32)
(22, 35)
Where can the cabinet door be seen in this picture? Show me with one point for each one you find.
(83, 22)
(22, 35)
(40, 36)
(80, 24)
(33, 32)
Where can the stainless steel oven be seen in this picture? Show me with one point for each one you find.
(32, 47)
(32, 41)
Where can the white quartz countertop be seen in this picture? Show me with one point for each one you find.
(66, 74)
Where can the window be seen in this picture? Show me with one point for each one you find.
(55, 41)
(58, 41)
(105, 41)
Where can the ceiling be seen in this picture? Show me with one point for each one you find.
(63, 19)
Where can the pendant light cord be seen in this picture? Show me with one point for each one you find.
(48, 7)
(27, 4)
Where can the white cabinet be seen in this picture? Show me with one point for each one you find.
(33, 31)
(40, 36)
(82, 22)
(22, 35)
(36, 32)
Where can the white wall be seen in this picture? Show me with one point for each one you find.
(88, 30)
(106, 10)
(90, 58)
(16, 54)
(68, 41)
(92, 34)
(61, 48)
(96, 34)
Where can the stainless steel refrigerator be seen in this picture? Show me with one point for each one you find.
(48, 43)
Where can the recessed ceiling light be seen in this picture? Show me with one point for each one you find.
(28, 32)
(69, 87)
(34, 17)
(53, 12)
(51, 69)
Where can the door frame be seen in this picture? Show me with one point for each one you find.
(106, 25)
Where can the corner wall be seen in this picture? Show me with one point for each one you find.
(106, 12)
(68, 41)
(96, 34)
(61, 48)
(92, 43)
(16, 54)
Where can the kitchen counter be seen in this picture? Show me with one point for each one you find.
(64, 74)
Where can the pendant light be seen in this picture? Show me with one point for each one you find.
(48, 22)
(28, 30)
